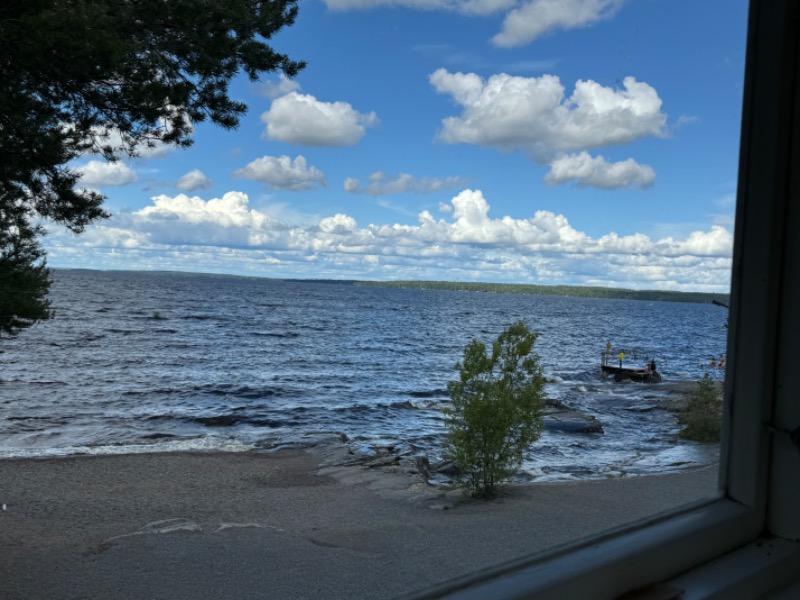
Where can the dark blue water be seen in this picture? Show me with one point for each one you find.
(139, 362)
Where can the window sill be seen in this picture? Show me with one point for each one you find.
(756, 570)
(612, 565)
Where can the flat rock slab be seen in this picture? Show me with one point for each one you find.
(571, 421)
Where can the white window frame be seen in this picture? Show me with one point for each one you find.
(744, 544)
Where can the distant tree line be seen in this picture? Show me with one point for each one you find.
(557, 290)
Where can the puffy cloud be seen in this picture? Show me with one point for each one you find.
(586, 170)
(302, 119)
(466, 243)
(283, 173)
(636, 244)
(226, 221)
(230, 210)
(469, 7)
(338, 224)
(104, 174)
(194, 180)
(716, 242)
(381, 184)
(536, 17)
(532, 114)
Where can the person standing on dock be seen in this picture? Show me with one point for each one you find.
(621, 358)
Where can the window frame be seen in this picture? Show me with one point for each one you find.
(743, 544)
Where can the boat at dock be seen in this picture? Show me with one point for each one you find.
(646, 374)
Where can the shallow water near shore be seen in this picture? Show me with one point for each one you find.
(140, 362)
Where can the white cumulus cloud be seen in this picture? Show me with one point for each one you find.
(283, 173)
(302, 119)
(104, 174)
(536, 17)
(715, 242)
(585, 170)
(226, 221)
(533, 114)
(464, 243)
(339, 224)
(194, 180)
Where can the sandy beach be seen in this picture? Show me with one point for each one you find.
(291, 523)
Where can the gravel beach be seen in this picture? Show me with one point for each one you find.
(290, 523)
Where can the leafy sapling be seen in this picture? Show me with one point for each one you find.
(497, 410)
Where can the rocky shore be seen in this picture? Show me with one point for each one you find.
(558, 417)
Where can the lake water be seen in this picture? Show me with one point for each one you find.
(152, 361)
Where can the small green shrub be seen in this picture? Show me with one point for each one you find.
(497, 410)
(702, 418)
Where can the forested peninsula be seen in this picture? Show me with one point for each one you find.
(557, 290)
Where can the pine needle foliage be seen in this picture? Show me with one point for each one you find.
(114, 79)
(497, 410)
(24, 278)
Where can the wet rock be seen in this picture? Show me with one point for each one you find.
(383, 461)
(572, 421)
(551, 403)
(446, 468)
(423, 467)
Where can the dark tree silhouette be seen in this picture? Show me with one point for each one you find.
(111, 77)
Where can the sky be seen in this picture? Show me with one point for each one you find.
(552, 142)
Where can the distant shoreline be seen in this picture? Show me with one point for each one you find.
(571, 291)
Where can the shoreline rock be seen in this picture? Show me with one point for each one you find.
(559, 417)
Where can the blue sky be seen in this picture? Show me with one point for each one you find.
(584, 142)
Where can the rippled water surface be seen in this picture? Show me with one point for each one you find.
(144, 361)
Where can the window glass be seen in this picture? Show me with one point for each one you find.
(262, 335)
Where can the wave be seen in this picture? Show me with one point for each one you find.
(437, 393)
(196, 393)
(223, 420)
(584, 376)
(271, 334)
(37, 383)
(390, 406)
(203, 443)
